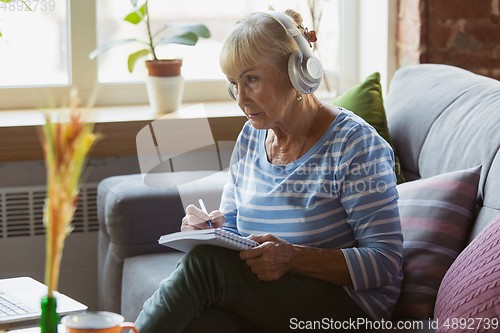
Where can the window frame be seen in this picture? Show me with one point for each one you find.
(83, 71)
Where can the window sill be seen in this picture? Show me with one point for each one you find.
(118, 126)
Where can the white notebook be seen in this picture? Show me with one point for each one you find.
(186, 240)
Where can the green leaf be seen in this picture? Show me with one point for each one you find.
(136, 56)
(26, 5)
(185, 38)
(0, 34)
(197, 28)
(137, 13)
(109, 45)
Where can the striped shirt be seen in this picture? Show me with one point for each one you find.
(341, 194)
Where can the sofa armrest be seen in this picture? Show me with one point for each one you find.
(133, 216)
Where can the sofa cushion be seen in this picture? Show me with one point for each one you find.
(436, 216)
(470, 289)
(365, 100)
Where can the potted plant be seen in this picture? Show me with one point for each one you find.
(164, 84)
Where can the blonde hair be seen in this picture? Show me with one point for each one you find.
(257, 37)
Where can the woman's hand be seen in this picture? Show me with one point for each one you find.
(272, 259)
(196, 219)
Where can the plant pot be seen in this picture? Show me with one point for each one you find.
(164, 85)
(169, 67)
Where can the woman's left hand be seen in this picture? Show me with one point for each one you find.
(271, 259)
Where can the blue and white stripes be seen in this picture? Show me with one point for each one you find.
(341, 194)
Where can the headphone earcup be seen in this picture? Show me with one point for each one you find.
(230, 90)
(294, 71)
(301, 79)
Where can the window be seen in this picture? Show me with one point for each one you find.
(200, 62)
(74, 28)
(26, 31)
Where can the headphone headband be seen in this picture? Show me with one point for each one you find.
(304, 69)
(292, 31)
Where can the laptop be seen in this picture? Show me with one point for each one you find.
(20, 300)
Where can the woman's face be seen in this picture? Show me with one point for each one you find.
(264, 94)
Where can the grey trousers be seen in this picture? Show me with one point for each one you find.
(213, 290)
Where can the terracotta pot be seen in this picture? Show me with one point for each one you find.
(170, 67)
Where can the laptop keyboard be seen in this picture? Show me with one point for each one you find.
(10, 307)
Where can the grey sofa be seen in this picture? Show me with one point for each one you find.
(441, 119)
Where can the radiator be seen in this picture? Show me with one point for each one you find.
(22, 241)
(21, 211)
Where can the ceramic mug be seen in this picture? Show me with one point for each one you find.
(96, 322)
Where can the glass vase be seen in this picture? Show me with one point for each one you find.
(50, 318)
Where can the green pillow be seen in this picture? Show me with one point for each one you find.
(365, 100)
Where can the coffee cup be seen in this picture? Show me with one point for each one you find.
(96, 322)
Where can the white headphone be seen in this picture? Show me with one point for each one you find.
(304, 69)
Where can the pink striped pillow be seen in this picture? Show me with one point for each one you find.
(469, 296)
(436, 216)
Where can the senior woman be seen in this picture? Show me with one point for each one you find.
(314, 185)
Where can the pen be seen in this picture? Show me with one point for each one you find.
(203, 208)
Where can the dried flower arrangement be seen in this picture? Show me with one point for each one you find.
(66, 144)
